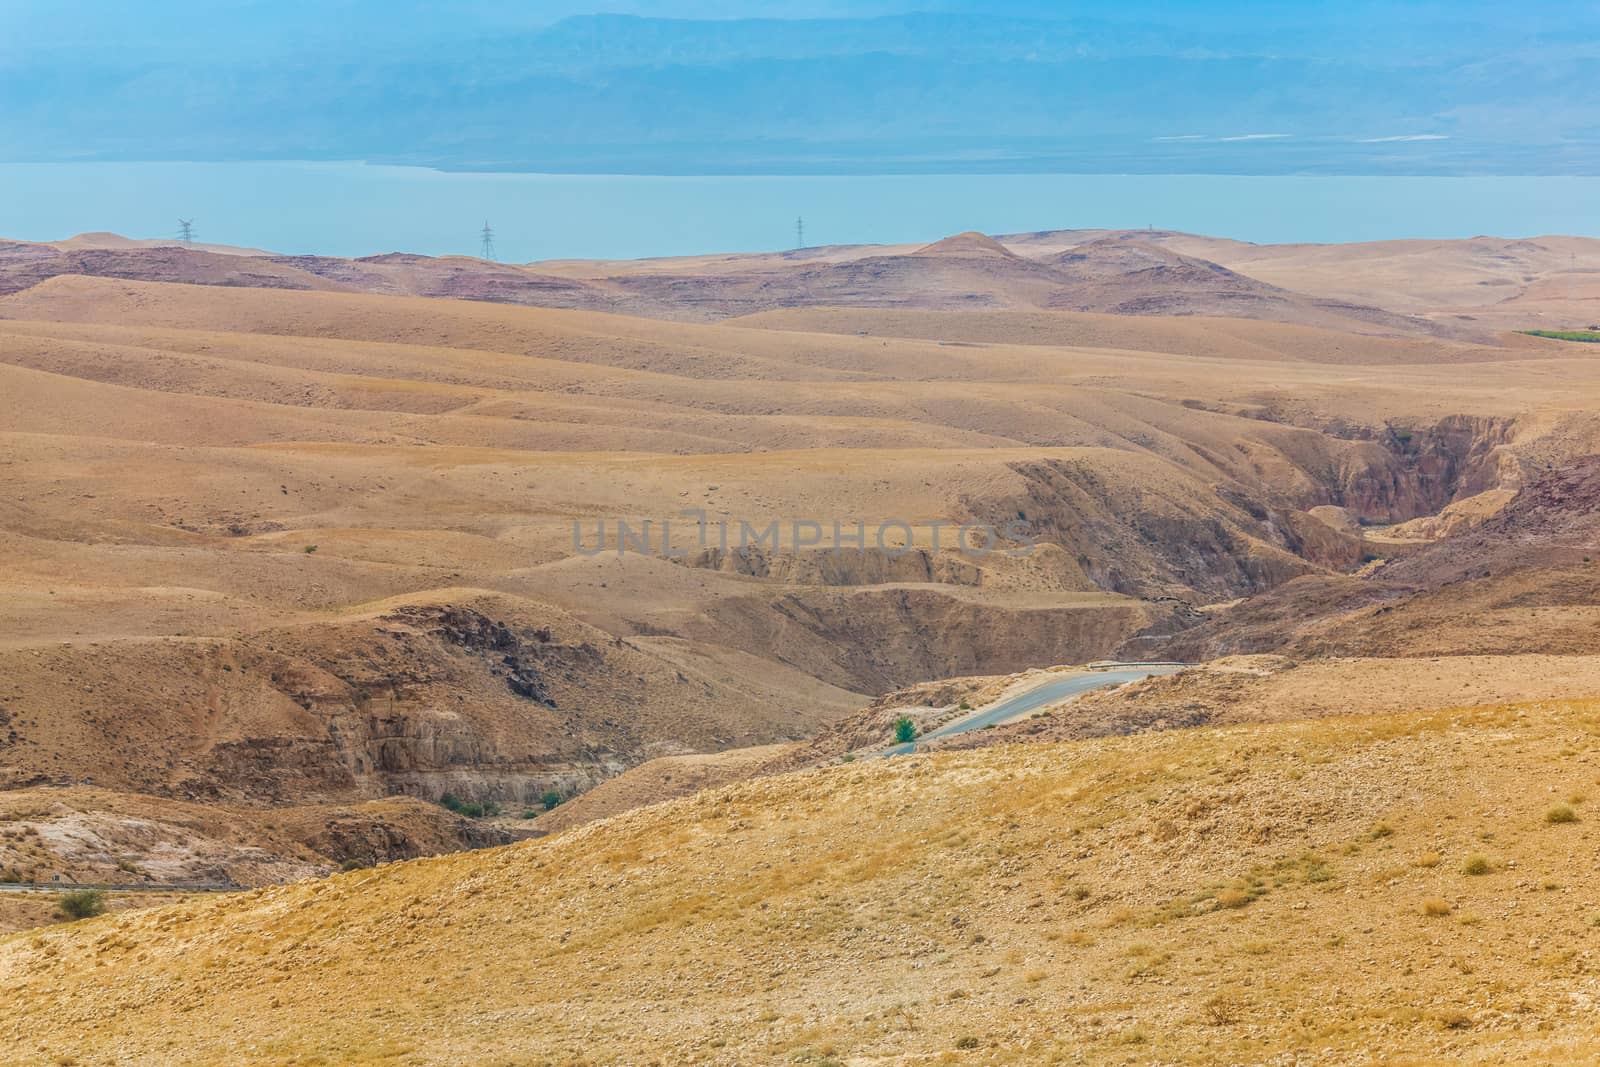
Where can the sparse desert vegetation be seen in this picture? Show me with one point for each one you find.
(1590, 335)
(938, 891)
(1097, 647)
(351, 537)
(82, 903)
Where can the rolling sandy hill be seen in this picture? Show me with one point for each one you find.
(1465, 289)
(1225, 338)
(1415, 884)
(307, 569)
(1471, 289)
(293, 545)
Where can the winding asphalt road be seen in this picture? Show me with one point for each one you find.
(1048, 693)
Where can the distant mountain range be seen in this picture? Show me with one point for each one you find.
(1240, 88)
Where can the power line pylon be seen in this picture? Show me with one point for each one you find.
(800, 232)
(186, 231)
(488, 242)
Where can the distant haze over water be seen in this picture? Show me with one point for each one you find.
(352, 209)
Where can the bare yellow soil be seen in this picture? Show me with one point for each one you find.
(1405, 888)
(664, 778)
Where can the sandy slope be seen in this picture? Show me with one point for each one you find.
(1469, 289)
(1228, 896)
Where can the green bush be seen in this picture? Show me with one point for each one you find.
(82, 903)
(551, 800)
(469, 808)
(1591, 335)
(904, 730)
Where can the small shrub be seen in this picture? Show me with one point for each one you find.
(1221, 1009)
(471, 809)
(82, 903)
(1232, 898)
(1476, 865)
(551, 799)
(1434, 907)
(1455, 1019)
(965, 706)
(968, 1042)
(905, 730)
(1318, 871)
(310, 549)
(1561, 813)
(1428, 859)
(530, 814)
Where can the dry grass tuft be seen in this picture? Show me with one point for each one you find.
(1232, 898)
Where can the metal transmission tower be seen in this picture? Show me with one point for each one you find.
(800, 232)
(186, 231)
(487, 235)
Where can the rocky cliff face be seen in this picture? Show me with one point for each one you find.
(1524, 578)
(492, 699)
(1408, 472)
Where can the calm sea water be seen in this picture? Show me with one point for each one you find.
(352, 209)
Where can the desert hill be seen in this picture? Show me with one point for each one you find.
(1122, 277)
(296, 546)
(1470, 289)
(1524, 577)
(968, 245)
(1097, 901)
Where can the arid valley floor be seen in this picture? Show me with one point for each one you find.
(291, 600)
